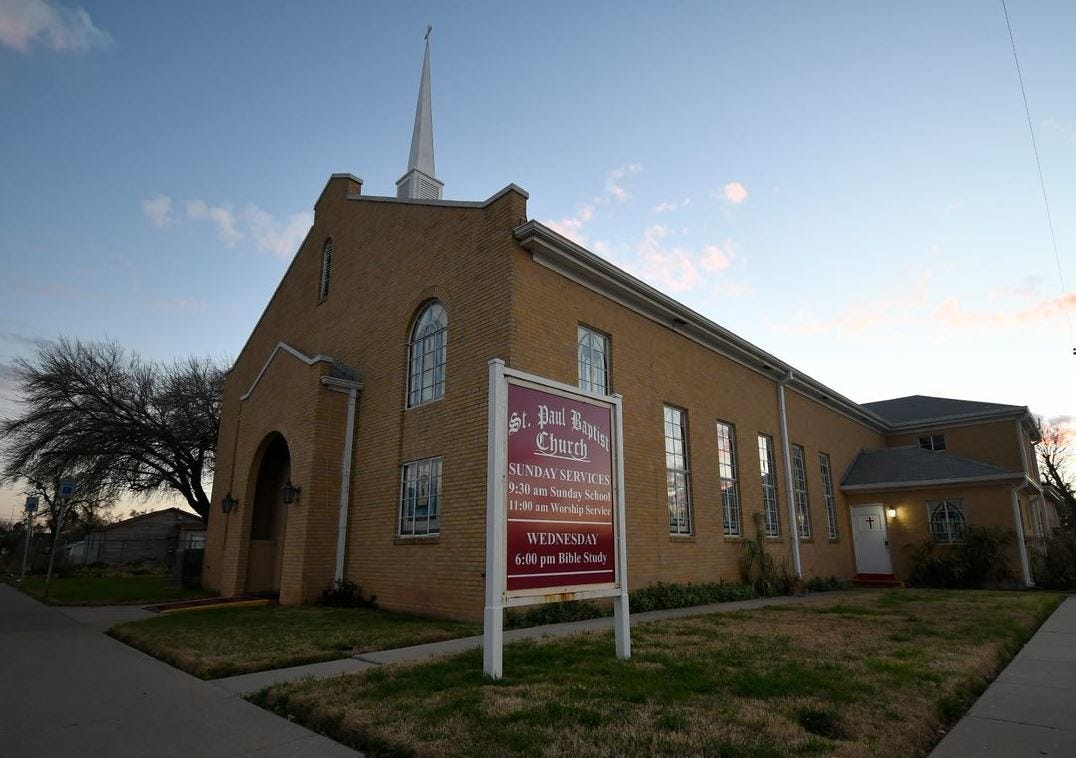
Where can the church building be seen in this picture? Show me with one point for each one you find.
(353, 437)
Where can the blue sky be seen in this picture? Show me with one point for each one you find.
(850, 186)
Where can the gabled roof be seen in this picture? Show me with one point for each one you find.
(916, 410)
(902, 467)
(180, 515)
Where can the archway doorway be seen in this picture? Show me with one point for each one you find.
(269, 518)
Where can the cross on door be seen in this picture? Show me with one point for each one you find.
(870, 522)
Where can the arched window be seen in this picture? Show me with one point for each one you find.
(947, 521)
(326, 269)
(426, 355)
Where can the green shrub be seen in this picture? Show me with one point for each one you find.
(343, 593)
(761, 572)
(1055, 562)
(660, 596)
(826, 584)
(554, 613)
(980, 559)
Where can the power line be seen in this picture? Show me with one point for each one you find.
(1042, 181)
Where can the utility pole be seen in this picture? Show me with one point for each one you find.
(31, 508)
(64, 492)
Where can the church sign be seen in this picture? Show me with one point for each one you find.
(555, 506)
(560, 493)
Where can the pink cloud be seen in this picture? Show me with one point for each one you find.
(714, 258)
(734, 192)
(572, 226)
(952, 314)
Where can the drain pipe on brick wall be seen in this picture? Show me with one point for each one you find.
(793, 522)
(1014, 494)
(351, 389)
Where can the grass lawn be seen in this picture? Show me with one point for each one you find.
(227, 641)
(108, 590)
(861, 674)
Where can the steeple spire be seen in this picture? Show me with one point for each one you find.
(419, 182)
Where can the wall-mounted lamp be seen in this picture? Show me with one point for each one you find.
(291, 492)
(228, 503)
(891, 512)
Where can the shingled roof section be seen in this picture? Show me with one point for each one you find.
(900, 466)
(924, 409)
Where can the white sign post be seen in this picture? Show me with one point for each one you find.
(555, 526)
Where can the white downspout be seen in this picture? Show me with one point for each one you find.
(1025, 567)
(793, 521)
(352, 389)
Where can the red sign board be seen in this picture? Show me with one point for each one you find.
(560, 496)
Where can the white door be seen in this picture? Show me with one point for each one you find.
(871, 540)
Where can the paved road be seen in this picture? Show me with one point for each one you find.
(1030, 709)
(68, 690)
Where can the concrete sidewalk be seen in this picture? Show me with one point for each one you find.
(67, 689)
(1030, 709)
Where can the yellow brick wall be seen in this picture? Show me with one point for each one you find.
(391, 257)
(988, 506)
(388, 259)
(994, 442)
(651, 365)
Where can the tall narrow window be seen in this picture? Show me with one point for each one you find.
(677, 474)
(326, 268)
(420, 498)
(593, 361)
(799, 492)
(827, 493)
(769, 486)
(726, 469)
(947, 520)
(426, 355)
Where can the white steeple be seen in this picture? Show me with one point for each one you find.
(419, 182)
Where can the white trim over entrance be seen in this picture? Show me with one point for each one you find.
(871, 539)
(308, 360)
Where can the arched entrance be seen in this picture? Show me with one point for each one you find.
(269, 517)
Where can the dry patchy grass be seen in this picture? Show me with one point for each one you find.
(218, 642)
(862, 674)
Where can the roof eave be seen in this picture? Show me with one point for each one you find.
(926, 483)
(579, 264)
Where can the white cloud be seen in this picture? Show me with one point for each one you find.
(734, 192)
(159, 210)
(282, 240)
(572, 226)
(24, 23)
(714, 258)
(1062, 128)
(668, 206)
(222, 217)
(613, 187)
(672, 269)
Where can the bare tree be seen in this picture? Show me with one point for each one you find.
(116, 419)
(1055, 451)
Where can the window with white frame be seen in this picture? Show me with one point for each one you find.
(420, 498)
(426, 355)
(726, 469)
(827, 494)
(593, 361)
(769, 486)
(677, 474)
(932, 442)
(326, 269)
(799, 492)
(947, 522)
